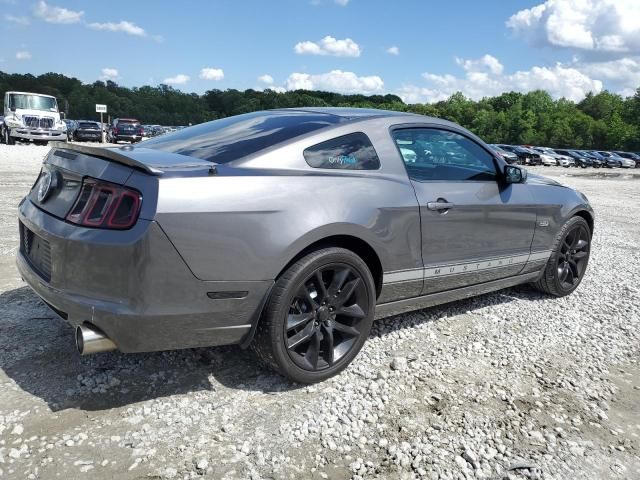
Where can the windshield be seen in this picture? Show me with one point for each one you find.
(32, 102)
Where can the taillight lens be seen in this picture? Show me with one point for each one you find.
(105, 205)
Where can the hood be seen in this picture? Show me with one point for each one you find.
(535, 179)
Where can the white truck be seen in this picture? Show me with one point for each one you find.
(31, 116)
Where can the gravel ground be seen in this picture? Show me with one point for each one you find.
(508, 385)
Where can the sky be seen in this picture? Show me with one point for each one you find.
(421, 50)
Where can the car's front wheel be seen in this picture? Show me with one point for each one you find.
(318, 316)
(568, 262)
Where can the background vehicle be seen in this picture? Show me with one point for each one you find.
(562, 160)
(127, 129)
(88, 130)
(506, 155)
(32, 116)
(609, 162)
(546, 158)
(204, 237)
(71, 127)
(525, 156)
(596, 160)
(624, 162)
(579, 160)
(630, 156)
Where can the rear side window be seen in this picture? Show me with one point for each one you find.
(349, 152)
(232, 138)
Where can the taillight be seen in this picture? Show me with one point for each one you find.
(140, 131)
(105, 205)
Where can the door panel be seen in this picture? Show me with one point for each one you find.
(474, 227)
(485, 235)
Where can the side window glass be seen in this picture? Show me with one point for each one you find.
(349, 152)
(434, 154)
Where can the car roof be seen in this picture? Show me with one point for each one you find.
(349, 112)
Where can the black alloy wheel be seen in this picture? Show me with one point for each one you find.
(318, 315)
(325, 317)
(568, 262)
(573, 256)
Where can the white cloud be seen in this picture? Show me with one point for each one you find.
(393, 50)
(23, 55)
(483, 64)
(335, 81)
(602, 26)
(19, 20)
(342, 3)
(277, 89)
(484, 77)
(129, 28)
(53, 14)
(109, 73)
(179, 79)
(329, 46)
(211, 74)
(266, 79)
(622, 75)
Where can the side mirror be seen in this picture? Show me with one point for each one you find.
(12, 108)
(514, 174)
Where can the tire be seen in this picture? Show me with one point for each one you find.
(569, 239)
(8, 139)
(302, 330)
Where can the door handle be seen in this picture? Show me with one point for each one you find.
(439, 205)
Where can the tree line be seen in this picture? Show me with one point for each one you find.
(603, 121)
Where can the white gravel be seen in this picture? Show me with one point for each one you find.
(509, 385)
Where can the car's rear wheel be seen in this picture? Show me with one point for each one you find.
(568, 262)
(318, 316)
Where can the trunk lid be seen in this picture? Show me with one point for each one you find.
(60, 181)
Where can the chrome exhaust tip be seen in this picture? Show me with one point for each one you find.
(90, 339)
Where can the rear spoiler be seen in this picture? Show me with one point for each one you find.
(112, 154)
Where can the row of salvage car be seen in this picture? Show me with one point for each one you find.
(532, 155)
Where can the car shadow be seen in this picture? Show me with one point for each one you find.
(37, 353)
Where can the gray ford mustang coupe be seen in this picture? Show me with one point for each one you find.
(289, 231)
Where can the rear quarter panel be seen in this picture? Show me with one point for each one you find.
(250, 227)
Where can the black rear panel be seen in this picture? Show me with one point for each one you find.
(37, 252)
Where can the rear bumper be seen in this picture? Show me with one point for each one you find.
(38, 134)
(135, 287)
(89, 135)
(129, 138)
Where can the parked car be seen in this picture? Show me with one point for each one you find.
(545, 158)
(579, 160)
(71, 127)
(88, 130)
(562, 160)
(596, 160)
(630, 156)
(525, 155)
(624, 162)
(203, 237)
(127, 129)
(609, 162)
(506, 155)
